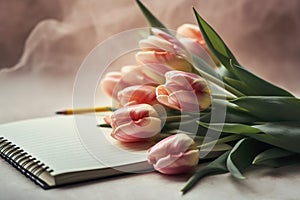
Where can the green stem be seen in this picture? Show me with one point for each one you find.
(176, 118)
(217, 96)
(221, 141)
(218, 82)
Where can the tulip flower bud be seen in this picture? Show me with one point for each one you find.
(194, 47)
(184, 91)
(137, 94)
(110, 81)
(136, 75)
(162, 52)
(190, 31)
(135, 123)
(174, 155)
(161, 42)
(130, 75)
(193, 32)
(154, 43)
(169, 60)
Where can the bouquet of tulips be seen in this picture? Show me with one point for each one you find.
(189, 94)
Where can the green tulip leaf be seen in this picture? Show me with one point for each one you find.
(280, 162)
(231, 128)
(271, 154)
(222, 70)
(257, 85)
(215, 152)
(234, 70)
(231, 117)
(285, 135)
(271, 109)
(242, 155)
(153, 21)
(216, 44)
(237, 84)
(234, 114)
(217, 166)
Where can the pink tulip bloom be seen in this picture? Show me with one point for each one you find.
(107, 119)
(197, 49)
(167, 60)
(142, 75)
(113, 82)
(137, 75)
(135, 123)
(109, 82)
(193, 33)
(174, 155)
(184, 91)
(162, 52)
(137, 94)
(161, 42)
(190, 31)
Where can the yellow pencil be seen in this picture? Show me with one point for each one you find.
(84, 110)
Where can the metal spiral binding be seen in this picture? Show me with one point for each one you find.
(9, 153)
(21, 160)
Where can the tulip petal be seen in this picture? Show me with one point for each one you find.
(107, 119)
(144, 130)
(153, 43)
(187, 101)
(204, 100)
(109, 82)
(178, 47)
(137, 94)
(165, 162)
(162, 96)
(173, 61)
(190, 31)
(197, 49)
(177, 164)
(135, 123)
(136, 76)
(174, 144)
(174, 154)
(184, 91)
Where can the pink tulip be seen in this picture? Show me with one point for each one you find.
(162, 52)
(197, 49)
(137, 94)
(113, 82)
(162, 42)
(167, 61)
(174, 155)
(142, 75)
(109, 82)
(137, 75)
(184, 91)
(107, 119)
(190, 31)
(195, 41)
(135, 123)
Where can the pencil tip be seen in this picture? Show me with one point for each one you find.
(60, 112)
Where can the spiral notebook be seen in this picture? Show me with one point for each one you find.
(55, 151)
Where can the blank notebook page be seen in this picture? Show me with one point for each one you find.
(64, 146)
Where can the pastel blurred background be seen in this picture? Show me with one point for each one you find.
(43, 43)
